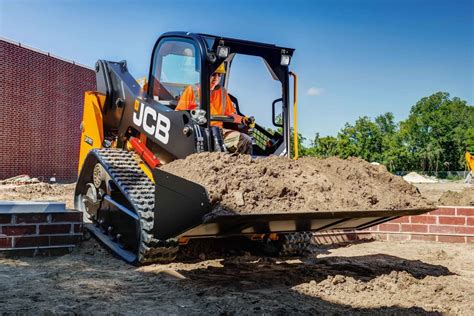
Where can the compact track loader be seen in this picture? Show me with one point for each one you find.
(142, 213)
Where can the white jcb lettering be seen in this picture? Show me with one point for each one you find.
(150, 129)
(163, 126)
(153, 123)
(138, 116)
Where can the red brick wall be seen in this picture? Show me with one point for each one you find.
(454, 224)
(446, 224)
(35, 231)
(41, 100)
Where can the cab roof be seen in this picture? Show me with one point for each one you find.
(244, 45)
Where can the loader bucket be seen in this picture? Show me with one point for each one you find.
(180, 206)
(232, 225)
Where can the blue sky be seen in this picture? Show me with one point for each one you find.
(353, 58)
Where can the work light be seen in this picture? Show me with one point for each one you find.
(285, 60)
(222, 51)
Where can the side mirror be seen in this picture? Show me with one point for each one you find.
(274, 116)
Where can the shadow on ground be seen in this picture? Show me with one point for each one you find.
(90, 281)
(264, 285)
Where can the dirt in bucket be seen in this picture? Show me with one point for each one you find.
(245, 185)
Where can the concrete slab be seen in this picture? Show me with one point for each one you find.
(16, 207)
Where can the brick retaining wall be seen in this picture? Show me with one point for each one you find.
(452, 224)
(40, 232)
(446, 224)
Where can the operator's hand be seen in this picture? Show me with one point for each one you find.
(248, 121)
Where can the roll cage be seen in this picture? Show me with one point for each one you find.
(207, 60)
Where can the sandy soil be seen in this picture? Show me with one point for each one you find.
(434, 192)
(374, 277)
(239, 184)
(39, 192)
(65, 192)
(465, 197)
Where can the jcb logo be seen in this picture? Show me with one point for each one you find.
(155, 124)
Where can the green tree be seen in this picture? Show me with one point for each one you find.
(323, 146)
(435, 132)
(434, 137)
(386, 123)
(363, 139)
(469, 139)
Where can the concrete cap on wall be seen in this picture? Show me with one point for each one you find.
(16, 207)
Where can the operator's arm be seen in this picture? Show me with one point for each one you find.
(186, 101)
(231, 111)
(238, 119)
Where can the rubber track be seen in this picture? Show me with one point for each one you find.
(298, 243)
(140, 191)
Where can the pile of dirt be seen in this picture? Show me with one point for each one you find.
(240, 184)
(39, 192)
(21, 179)
(464, 198)
(414, 177)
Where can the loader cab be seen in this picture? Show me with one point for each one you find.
(185, 61)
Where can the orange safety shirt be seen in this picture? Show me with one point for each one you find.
(188, 102)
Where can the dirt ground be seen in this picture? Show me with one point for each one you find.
(434, 191)
(39, 192)
(367, 278)
(441, 193)
(374, 277)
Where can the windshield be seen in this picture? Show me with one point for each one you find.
(176, 66)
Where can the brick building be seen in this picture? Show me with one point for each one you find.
(41, 100)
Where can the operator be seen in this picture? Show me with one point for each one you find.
(234, 141)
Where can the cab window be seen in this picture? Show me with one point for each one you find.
(176, 65)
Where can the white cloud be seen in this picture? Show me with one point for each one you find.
(314, 91)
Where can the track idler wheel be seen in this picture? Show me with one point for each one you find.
(289, 245)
